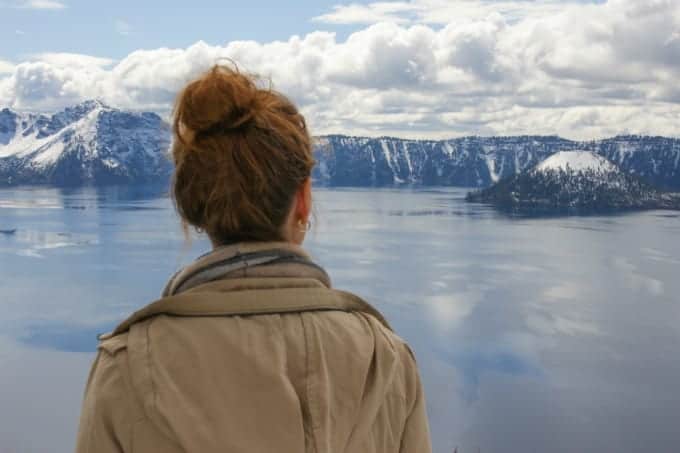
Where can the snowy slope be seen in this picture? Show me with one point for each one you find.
(576, 161)
(87, 143)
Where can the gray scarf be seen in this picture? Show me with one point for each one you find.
(246, 259)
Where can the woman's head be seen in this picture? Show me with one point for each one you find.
(243, 159)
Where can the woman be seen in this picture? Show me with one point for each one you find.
(250, 349)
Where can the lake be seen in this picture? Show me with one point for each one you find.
(531, 334)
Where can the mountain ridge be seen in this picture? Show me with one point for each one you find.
(89, 143)
(120, 146)
(477, 161)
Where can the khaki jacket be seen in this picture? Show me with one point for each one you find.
(251, 350)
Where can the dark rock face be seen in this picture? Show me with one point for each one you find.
(8, 126)
(90, 143)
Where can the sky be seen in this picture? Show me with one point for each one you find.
(408, 68)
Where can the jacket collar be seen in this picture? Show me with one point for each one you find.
(249, 278)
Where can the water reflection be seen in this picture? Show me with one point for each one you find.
(528, 330)
(532, 334)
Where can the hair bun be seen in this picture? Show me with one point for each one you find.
(222, 100)
(237, 186)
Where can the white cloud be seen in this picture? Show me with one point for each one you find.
(585, 71)
(65, 59)
(42, 84)
(354, 13)
(6, 67)
(385, 56)
(41, 4)
(440, 11)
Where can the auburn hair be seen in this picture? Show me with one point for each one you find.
(241, 151)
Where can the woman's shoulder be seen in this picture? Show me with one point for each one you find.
(364, 321)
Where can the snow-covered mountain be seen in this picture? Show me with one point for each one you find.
(87, 143)
(481, 161)
(468, 162)
(94, 143)
(579, 180)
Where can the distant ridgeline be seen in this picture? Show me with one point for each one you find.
(92, 143)
(481, 161)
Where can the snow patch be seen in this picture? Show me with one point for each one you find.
(23, 145)
(576, 161)
(110, 162)
(388, 158)
(408, 160)
(625, 150)
(387, 153)
(491, 165)
(449, 149)
(50, 153)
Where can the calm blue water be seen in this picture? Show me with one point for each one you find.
(532, 335)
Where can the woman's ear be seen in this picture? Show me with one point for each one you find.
(304, 200)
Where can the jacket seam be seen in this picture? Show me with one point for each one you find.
(148, 397)
(93, 408)
(272, 311)
(148, 363)
(307, 383)
(124, 372)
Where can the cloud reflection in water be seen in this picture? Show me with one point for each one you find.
(545, 334)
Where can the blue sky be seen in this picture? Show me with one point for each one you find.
(582, 69)
(114, 29)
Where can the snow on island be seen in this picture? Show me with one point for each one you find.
(575, 182)
(576, 161)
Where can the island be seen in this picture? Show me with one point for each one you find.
(575, 181)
